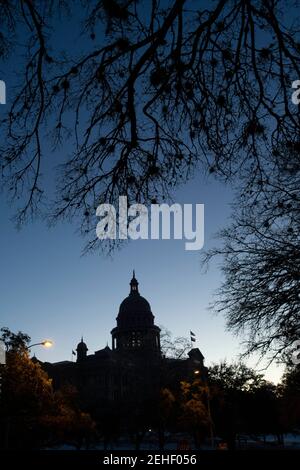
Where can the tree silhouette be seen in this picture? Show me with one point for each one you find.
(175, 348)
(158, 89)
(17, 342)
(243, 402)
(290, 395)
(32, 414)
(26, 394)
(261, 253)
(194, 415)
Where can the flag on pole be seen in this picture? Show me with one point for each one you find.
(193, 336)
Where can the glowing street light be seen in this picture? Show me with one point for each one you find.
(47, 343)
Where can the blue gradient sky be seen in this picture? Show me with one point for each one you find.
(48, 290)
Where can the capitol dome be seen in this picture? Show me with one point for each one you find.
(81, 350)
(135, 310)
(81, 346)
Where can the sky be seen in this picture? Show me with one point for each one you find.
(49, 290)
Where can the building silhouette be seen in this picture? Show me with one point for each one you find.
(133, 370)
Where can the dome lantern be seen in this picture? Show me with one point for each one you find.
(81, 350)
(135, 329)
(134, 285)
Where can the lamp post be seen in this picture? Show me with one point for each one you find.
(47, 343)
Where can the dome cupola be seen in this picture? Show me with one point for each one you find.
(135, 310)
(81, 350)
(135, 322)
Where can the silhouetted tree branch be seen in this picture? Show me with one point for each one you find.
(175, 348)
(167, 88)
(261, 253)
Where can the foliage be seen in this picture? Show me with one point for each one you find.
(235, 376)
(194, 415)
(33, 414)
(14, 341)
(290, 398)
(242, 402)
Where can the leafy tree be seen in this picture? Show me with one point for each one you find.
(14, 341)
(166, 414)
(26, 394)
(236, 376)
(243, 402)
(290, 395)
(194, 415)
(66, 422)
(31, 412)
(262, 411)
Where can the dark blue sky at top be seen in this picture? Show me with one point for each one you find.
(48, 290)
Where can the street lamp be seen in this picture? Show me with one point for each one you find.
(47, 343)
